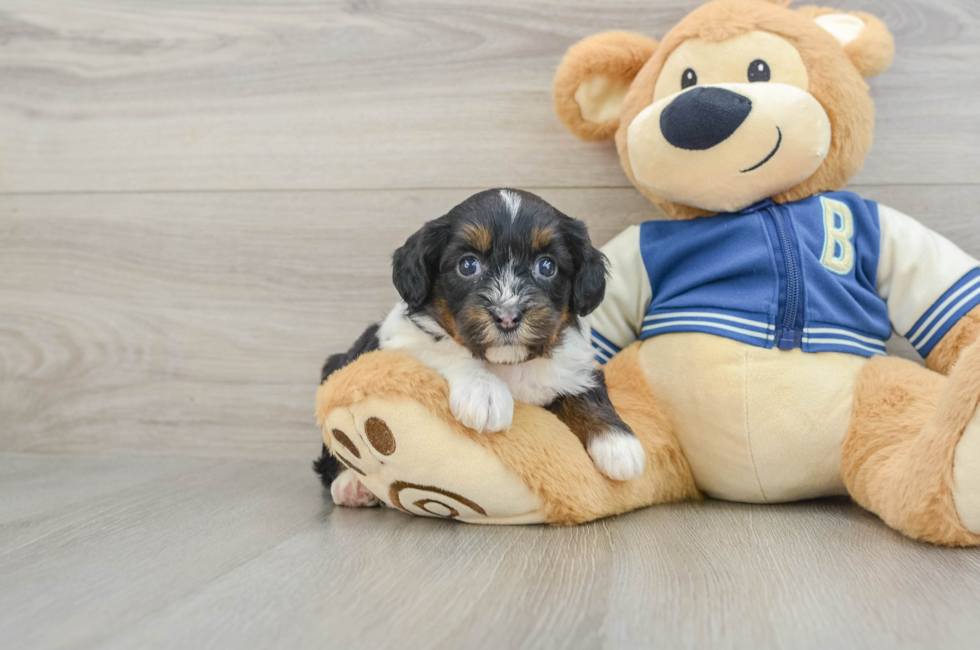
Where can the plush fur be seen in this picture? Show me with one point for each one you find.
(899, 452)
(898, 457)
(613, 55)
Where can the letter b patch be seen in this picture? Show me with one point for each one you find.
(838, 227)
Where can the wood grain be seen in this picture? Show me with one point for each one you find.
(195, 323)
(246, 554)
(143, 95)
(198, 202)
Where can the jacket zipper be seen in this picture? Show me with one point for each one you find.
(787, 335)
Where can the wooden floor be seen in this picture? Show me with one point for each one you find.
(198, 201)
(233, 553)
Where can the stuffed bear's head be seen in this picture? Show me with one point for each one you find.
(743, 100)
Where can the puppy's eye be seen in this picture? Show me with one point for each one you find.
(545, 267)
(468, 266)
(759, 71)
(689, 78)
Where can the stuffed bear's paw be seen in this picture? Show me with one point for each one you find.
(482, 401)
(347, 491)
(618, 454)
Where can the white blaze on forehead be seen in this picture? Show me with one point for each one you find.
(512, 201)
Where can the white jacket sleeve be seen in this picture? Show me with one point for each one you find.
(618, 320)
(927, 281)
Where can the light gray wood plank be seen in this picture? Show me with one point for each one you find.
(246, 554)
(41, 498)
(141, 95)
(195, 323)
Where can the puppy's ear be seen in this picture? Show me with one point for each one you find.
(589, 281)
(593, 79)
(416, 263)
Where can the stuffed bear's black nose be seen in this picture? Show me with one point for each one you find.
(703, 117)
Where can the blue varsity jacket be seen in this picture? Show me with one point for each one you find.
(829, 273)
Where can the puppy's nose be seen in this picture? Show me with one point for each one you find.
(507, 319)
(703, 117)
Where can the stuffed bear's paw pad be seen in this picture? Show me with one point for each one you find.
(348, 491)
(618, 454)
(482, 402)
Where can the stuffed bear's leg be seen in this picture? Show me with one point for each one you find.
(912, 452)
(386, 416)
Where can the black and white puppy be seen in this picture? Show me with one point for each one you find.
(495, 297)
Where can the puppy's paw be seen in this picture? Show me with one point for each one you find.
(347, 491)
(618, 454)
(482, 402)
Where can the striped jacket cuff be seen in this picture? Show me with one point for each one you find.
(823, 338)
(945, 312)
(748, 328)
(604, 349)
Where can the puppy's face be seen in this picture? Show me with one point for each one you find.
(503, 274)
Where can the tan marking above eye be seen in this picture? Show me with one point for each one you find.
(728, 62)
(478, 237)
(342, 438)
(540, 237)
(380, 436)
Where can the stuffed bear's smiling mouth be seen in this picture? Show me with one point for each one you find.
(772, 153)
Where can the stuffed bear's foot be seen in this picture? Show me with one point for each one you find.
(912, 453)
(347, 491)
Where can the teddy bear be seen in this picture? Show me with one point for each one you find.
(742, 338)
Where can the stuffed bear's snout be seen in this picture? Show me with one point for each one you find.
(722, 147)
(702, 118)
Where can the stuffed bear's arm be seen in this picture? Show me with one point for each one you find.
(932, 288)
(618, 321)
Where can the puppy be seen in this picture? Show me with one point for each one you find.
(495, 297)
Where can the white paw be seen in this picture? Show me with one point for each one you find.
(347, 491)
(482, 402)
(618, 455)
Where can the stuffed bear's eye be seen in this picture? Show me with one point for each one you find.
(759, 71)
(545, 267)
(689, 78)
(468, 266)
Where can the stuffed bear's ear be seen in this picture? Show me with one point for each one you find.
(592, 81)
(865, 39)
